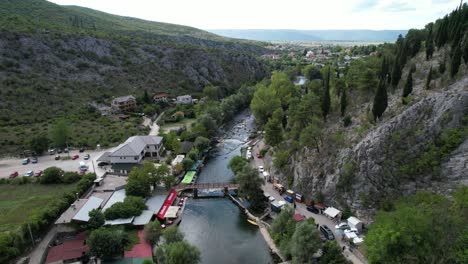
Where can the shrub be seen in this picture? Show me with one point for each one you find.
(347, 121)
(70, 177)
(52, 175)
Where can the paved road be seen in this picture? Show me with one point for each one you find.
(301, 209)
(154, 128)
(10, 165)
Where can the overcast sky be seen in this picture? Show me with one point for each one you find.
(279, 14)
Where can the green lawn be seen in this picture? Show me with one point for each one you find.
(17, 202)
(185, 122)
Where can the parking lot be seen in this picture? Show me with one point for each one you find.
(10, 165)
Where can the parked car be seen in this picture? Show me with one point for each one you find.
(74, 157)
(38, 173)
(259, 155)
(342, 226)
(65, 150)
(59, 150)
(14, 175)
(51, 151)
(25, 161)
(82, 149)
(34, 160)
(57, 157)
(29, 173)
(312, 209)
(260, 169)
(86, 157)
(326, 231)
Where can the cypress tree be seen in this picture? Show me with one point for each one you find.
(465, 49)
(396, 73)
(380, 100)
(429, 78)
(343, 102)
(326, 96)
(456, 61)
(429, 43)
(408, 85)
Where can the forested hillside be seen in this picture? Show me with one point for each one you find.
(55, 60)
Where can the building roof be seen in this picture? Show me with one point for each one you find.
(178, 159)
(354, 221)
(172, 212)
(188, 178)
(117, 196)
(124, 98)
(332, 212)
(83, 214)
(68, 250)
(144, 218)
(141, 250)
(120, 221)
(160, 95)
(135, 145)
(183, 97)
(104, 157)
(350, 235)
(68, 215)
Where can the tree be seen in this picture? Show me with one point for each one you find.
(61, 133)
(305, 242)
(212, 92)
(396, 73)
(429, 79)
(201, 143)
(380, 100)
(131, 206)
(311, 72)
(105, 243)
(39, 144)
(169, 181)
(178, 253)
(152, 232)
(188, 163)
(408, 85)
(96, 219)
(274, 128)
(312, 134)
(343, 102)
(172, 235)
(282, 229)
(331, 254)
(250, 187)
(237, 163)
(139, 183)
(264, 103)
(146, 98)
(52, 175)
(456, 61)
(326, 96)
(429, 43)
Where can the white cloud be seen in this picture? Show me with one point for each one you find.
(276, 14)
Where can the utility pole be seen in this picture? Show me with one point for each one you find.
(30, 233)
(94, 169)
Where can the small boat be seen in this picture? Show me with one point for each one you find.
(252, 222)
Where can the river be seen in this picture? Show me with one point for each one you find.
(216, 226)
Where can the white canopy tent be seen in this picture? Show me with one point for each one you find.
(356, 223)
(332, 212)
(172, 212)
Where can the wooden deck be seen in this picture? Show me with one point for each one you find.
(199, 186)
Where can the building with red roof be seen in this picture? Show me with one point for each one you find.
(68, 251)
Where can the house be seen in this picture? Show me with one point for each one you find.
(354, 222)
(184, 99)
(124, 104)
(69, 250)
(161, 97)
(135, 149)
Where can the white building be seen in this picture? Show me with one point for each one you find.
(184, 99)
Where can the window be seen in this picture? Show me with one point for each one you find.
(136, 158)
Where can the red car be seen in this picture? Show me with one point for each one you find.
(14, 175)
(75, 157)
(38, 173)
(259, 155)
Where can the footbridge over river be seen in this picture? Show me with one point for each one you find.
(206, 186)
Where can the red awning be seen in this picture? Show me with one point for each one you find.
(168, 202)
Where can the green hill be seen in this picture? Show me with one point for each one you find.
(56, 60)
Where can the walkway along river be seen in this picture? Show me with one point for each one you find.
(217, 226)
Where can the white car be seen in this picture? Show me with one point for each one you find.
(342, 226)
(260, 169)
(29, 173)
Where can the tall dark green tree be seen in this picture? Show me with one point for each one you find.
(380, 100)
(408, 85)
(465, 49)
(343, 102)
(429, 79)
(326, 96)
(146, 97)
(456, 61)
(429, 43)
(396, 73)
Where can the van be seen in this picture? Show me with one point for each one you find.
(83, 166)
(326, 231)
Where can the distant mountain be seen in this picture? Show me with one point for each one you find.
(310, 35)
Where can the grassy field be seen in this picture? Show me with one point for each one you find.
(17, 202)
(185, 122)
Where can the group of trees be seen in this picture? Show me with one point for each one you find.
(175, 249)
(107, 243)
(250, 183)
(141, 179)
(131, 206)
(423, 228)
(300, 241)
